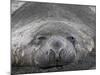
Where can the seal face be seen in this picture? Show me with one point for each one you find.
(57, 45)
(55, 51)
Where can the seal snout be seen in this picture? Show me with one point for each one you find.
(56, 51)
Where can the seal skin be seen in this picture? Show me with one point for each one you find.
(48, 35)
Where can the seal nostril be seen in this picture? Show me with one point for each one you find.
(61, 51)
(57, 59)
(51, 55)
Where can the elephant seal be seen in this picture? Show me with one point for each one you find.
(50, 35)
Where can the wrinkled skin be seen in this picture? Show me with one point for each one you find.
(50, 35)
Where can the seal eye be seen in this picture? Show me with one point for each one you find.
(41, 38)
(37, 40)
(71, 39)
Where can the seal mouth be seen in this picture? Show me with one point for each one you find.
(54, 66)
